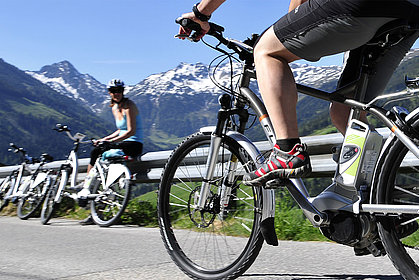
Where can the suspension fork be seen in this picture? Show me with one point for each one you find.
(216, 139)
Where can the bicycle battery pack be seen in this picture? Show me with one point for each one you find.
(359, 154)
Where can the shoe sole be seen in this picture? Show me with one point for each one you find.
(299, 172)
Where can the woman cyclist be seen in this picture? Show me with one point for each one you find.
(129, 134)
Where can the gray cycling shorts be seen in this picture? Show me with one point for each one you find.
(309, 34)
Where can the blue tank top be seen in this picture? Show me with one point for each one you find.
(122, 126)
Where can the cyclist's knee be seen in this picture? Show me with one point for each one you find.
(270, 47)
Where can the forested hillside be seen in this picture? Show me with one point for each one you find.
(29, 111)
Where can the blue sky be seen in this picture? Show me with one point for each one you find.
(128, 39)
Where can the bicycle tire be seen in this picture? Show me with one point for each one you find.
(241, 218)
(5, 187)
(30, 204)
(398, 184)
(109, 207)
(50, 206)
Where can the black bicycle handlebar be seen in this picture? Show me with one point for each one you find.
(215, 29)
(243, 49)
(16, 149)
(25, 157)
(60, 128)
(107, 145)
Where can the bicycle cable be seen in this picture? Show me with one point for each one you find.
(213, 68)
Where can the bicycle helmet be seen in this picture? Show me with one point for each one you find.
(115, 83)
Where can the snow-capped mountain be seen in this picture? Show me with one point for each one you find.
(321, 77)
(189, 79)
(410, 55)
(185, 79)
(66, 80)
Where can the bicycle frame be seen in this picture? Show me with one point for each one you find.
(71, 165)
(16, 179)
(328, 200)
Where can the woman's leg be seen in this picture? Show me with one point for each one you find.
(94, 154)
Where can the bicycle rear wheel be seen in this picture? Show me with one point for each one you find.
(212, 243)
(399, 184)
(31, 200)
(109, 206)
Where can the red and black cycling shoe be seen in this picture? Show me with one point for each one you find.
(292, 164)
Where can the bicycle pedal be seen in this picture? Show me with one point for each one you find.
(275, 183)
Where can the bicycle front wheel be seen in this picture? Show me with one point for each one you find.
(399, 184)
(31, 200)
(50, 204)
(222, 240)
(108, 207)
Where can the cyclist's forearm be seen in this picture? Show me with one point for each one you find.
(295, 3)
(123, 136)
(111, 136)
(207, 7)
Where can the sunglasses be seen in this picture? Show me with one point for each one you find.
(116, 90)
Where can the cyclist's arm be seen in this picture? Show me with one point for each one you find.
(207, 7)
(295, 3)
(110, 136)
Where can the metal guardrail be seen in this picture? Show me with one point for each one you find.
(150, 167)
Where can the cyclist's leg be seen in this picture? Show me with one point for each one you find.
(383, 71)
(276, 84)
(306, 32)
(94, 154)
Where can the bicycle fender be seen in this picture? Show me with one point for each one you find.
(115, 171)
(63, 183)
(268, 195)
(74, 163)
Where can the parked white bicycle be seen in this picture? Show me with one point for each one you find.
(27, 185)
(107, 186)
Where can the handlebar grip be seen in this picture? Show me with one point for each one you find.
(61, 128)
(188, 23)
(13, 146)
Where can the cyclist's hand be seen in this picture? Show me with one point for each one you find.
(185, 32)
(100, 142)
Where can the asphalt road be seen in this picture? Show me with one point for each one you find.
(66, 250)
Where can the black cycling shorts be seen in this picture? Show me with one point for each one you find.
(319, 28)
(130, 148)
